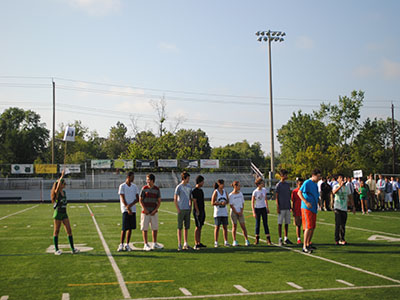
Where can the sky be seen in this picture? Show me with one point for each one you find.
(110, 59)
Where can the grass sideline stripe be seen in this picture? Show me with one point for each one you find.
(274, 292)
(114, 265)
(344, 282)
(315, 256)
(65, 296)
(115, 283)
(185, 292)
(292, 284)
(240, 288)
(18, 212)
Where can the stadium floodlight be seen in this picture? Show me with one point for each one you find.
(271, 36)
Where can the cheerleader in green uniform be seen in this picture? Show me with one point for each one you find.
(59, 200)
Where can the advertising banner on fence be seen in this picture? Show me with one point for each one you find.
(209, 163)
(21, 169)
(189, 163)
(71, 168)
(142, 163)
(167, 163)
(45, 169)
(357, 173)
(123, 164)
(101, 163)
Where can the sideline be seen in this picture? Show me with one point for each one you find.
(314, 256)
(18, 212)
(117, 271)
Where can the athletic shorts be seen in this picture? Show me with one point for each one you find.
(220, 221)
(236, 217)
(59, 216)
(199, 219)
(145, 220)
(128, 221)
(184, 217)
(309, 218)
(388, 197)
(297, 220)
(284, 216)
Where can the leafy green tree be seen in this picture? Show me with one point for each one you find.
(23, 138)
(117, 141)
(192, 144)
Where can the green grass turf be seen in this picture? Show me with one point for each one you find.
(28, 272)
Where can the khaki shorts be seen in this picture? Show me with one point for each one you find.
(297, 220)
(284, 216)
(145, 220)
(235, 218)
(184, 217)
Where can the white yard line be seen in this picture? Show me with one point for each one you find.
(317, 257)
(292, 284)
(114, 265)
(344, 282)
(240, 288)
(185, 292)
(18, 212)
(65, 296)
(273, 292)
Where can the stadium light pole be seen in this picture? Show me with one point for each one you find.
(271, 36)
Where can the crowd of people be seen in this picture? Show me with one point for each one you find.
(338, 193)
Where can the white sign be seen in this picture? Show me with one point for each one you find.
(383, 238)
(69, 135)
(22, 169)
(209, 163)
(357, 174)
(74, 168)
(101, 163)
(168, 163)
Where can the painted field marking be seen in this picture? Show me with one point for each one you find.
(349, 227)
(315, 256)
(18, 212)
(116, 283)
(65, 296)
(185, 292)
(273, 292)
(383, 238)
(80, 247)
(292, 284)
(114, 265)
(4, 298)
(344, 282)
(240, 288)
(385, 217)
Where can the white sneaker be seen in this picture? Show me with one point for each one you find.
(127, 248)
(75, 251)
(215, 244)
(235, 243)
(157, 246)
(146, 247)
(280, 242)
(226, 244)
(247, 243)
(120, 248)
(58, 252)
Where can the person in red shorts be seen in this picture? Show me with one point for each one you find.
(309, 196)
(296, 204)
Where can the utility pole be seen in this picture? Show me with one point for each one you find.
(54, 122)
(393, 144)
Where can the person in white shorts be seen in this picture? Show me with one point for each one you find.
(236, 201)
(283, 206)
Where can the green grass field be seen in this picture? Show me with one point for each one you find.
(371, 267)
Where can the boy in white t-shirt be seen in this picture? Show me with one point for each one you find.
(128, 197)
(236, 200)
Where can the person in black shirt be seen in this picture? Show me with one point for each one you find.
(198, 211)
(326, 190)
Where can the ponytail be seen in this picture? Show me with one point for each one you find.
(217, 183)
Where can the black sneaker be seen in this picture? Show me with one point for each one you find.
(288, 242)
(307, 250)
(196, 247)
(201, 245)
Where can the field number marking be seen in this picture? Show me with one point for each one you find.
(65, 296)
(18, 212)
(185, 292)
(383, 238)
(240, 288)
(292, 284)
(114, 265)
(344, 282)
(4, 298)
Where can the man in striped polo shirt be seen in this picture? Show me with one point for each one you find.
(150, 200)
